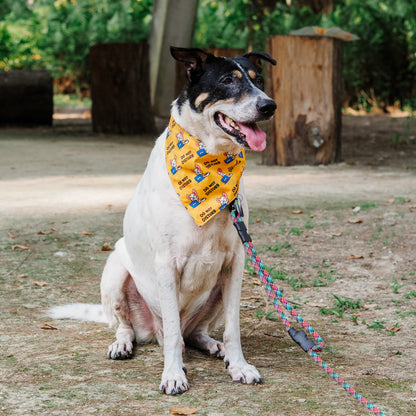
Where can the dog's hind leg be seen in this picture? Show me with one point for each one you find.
(115, 303)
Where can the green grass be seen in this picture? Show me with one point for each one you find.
(70, 100)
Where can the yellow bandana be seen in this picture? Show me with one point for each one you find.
(205, 183)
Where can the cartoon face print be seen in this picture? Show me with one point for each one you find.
(223, 201)
(229, 157)
(225, 177)
(200, 175)
(174, 164)
(197, 170)
(194, 198)
(201, 147)
(179, 138)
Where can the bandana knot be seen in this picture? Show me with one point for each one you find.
(205, 183)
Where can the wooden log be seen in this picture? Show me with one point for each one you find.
(120, 88)
(26, 97)
(307, 86)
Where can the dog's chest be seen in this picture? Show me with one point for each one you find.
(201, 257)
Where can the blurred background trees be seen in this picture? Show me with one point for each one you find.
(379, 69)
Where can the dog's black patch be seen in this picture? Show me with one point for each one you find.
(220, 80)
(218, 77)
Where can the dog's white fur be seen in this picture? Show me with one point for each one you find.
(178, 269)
(171, 281)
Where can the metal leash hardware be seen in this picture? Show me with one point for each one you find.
(278, 300)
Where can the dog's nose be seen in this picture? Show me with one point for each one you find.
(266, 107)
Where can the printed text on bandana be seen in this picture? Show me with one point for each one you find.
(205, 183)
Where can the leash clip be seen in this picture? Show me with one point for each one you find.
(301, 339)
(237, 213)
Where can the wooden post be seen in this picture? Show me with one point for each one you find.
(26, 97)
(120, 89)
(307, 86)
(173, 23)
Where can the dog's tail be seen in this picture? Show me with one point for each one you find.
(79, 311)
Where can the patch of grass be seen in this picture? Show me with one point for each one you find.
(270, 316)
(70, 100)
(395, 285)
(341, 306)
(367, 205)
(377, 325)
(277, 248)
(295, 231)
(410, 294)
(309, 224)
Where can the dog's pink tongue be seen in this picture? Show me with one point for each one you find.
(255, 137)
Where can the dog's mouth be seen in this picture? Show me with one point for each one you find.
(246, 134)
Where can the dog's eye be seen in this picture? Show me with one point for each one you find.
(259, 82)
(227, 80)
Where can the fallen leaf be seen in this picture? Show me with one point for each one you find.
(19, 247)
(22, 276)
(11, 235)
(354, 257)
(182, 411)
(336, 234)
(412, 207)
(297, 211)
(43, 232)
(394, 329)
(54, 229)
(390, 201)
(355, 221)
(106, 247)
(40, 284)
(49, 327)
(86, 233)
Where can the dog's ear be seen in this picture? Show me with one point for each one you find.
(256, 57)
(193, 58)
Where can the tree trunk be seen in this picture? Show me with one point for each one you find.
(120, 89)
(307, 86)
(26, 97)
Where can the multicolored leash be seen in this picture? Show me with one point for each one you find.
(280, 302)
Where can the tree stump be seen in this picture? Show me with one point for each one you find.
(120, 88)
(26, 97)
(307, 86)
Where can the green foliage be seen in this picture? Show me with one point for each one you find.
(58, 34)
(379, 69)
(341, 306)
(382, 64)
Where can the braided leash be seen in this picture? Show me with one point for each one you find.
(280, 302)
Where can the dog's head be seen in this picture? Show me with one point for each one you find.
(224, 99)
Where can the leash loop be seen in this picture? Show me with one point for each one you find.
(300, 337)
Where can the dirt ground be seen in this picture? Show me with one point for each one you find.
(340, 241)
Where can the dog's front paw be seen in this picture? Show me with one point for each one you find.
(175, 382)
(120, 350)
(244, 373)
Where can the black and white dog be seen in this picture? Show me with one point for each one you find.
(170, 280)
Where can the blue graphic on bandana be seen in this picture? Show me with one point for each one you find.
(181, 142)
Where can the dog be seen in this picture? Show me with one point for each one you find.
(171, 280)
